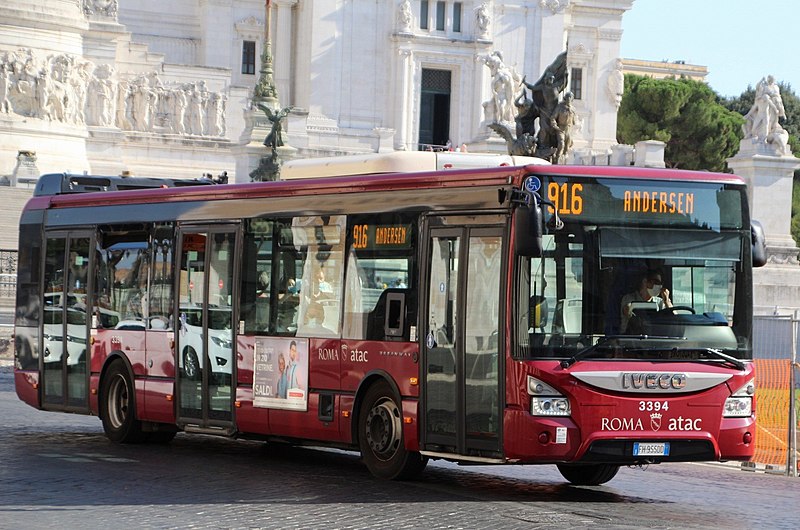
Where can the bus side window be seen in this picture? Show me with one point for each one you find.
(121, 295)
(160, 293)
(257, 288)
(380, 295)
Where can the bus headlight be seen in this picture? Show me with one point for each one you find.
(550, 406)
(740, 404)
(546, 400)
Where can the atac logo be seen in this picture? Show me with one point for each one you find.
(655, 421)
(637, 424)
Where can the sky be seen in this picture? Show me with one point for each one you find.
(739, 41)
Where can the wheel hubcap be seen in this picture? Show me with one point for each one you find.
(384, 428)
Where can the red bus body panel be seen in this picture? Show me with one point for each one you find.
(609, 415)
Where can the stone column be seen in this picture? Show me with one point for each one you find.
(283, 48)
(405, 102)
(769, 194)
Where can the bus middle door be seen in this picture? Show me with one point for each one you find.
(205, 335)
(461, 337)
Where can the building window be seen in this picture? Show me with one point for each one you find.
(423, 14)
(457, 17)
(249, 57)
(576, 83)
(440, 16)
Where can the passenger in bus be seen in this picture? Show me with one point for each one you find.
(263, 285)
(315, 322)
(651, 289)
(288, 301)
(322, 286)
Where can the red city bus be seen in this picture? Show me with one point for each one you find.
(472, 315)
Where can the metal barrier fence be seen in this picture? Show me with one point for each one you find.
(8, 273)
(777, 391)
(8, 276)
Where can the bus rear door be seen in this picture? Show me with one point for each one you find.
(65, 323)
(461, 336)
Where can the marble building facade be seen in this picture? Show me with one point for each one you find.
(164, 88)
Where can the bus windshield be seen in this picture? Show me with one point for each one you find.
(663, 289)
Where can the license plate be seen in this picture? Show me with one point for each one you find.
(651, 449)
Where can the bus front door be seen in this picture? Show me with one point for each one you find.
(205, 335)
(461, 342)
(65, 322)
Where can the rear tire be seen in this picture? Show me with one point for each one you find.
(588, 474)
(118, 406)
(380, 436)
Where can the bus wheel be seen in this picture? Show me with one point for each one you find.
(380, 436)
(191, 365)
(588, 474)
(118, 406)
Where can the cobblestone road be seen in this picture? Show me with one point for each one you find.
(58, 470)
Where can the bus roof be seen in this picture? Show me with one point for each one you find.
(399, 162)
(487, 176)
(641, 173)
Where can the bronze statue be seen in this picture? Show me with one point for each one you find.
(275, 138)
(545, 93)
(269, 167)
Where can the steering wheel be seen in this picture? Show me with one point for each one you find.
(679, 308)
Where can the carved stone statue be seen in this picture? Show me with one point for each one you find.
(404, 16)
(543, 124)
(615, 84)
(483, 19)
(106, 8)
(65, 88)
(5, 84)
(767, 110)
(504, 80)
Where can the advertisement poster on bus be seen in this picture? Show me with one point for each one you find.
(280, 373)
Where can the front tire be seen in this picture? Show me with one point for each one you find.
(380, 436)
(588, 474)
(118, 406)
(191, 364)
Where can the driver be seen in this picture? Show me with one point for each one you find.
(650, 290)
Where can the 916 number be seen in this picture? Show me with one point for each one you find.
(653, 406)
(567, 197)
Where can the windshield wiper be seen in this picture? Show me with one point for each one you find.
(714, 353)
(594, 347)
(738, 363)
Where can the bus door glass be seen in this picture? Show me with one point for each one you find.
(461, 340)
(65, 322)
(205, 337)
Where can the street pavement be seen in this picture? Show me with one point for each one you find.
(59, 471)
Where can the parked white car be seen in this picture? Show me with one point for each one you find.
(190, 342)
(54, 335)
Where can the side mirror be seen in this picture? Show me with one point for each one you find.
(528, 227)
(758, 242)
